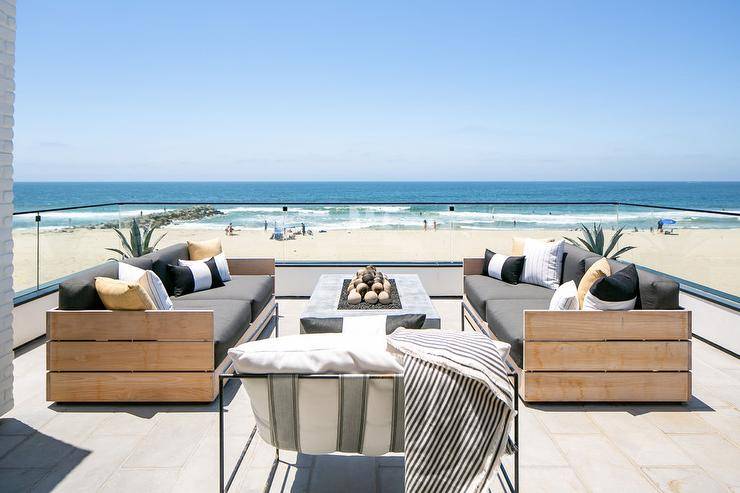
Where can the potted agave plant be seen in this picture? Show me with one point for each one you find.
(594, 241)
(138, 243)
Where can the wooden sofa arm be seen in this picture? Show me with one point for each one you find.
(251, 266)
(579, 325)
(472, 266)
(149, 325)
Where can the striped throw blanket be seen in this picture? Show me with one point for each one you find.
(459, 407)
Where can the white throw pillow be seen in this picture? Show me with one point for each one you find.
(221, 264)
(149, 281)
(313, 353)
(368, 330)
(591, 302)
(543, 263)
(565, 297)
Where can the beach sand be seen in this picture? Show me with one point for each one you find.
(707, 256)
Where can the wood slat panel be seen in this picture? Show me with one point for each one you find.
(129, 356)
(130, 387)
(251, 266)
(472, 266)
(607, 387)
(666, 325)
(607, 356)
(106, 325)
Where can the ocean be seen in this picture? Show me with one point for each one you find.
(382, 210)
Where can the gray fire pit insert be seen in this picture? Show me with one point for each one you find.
(414, 299)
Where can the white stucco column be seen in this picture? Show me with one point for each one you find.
(7, 96)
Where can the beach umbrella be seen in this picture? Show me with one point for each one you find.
(668, 221)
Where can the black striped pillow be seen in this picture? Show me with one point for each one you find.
(198, 276)
(507, 268)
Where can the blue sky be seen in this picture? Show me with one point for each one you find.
(379, 90)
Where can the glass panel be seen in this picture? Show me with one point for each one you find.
(74, 240)
(697, 247)
(25, 250)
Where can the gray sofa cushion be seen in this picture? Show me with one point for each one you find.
(574, 264)
(78, 292)
(656, 292)
(506, 319)
(143, 262)
(230, 320)
(169, 255)
(255, 289)
(480, 289)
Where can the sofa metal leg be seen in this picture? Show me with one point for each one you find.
(277, 320)
(273, 471)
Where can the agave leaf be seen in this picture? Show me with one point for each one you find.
(156, 242)
(147, 236)
(613, 243)
(621, 251)
(136, 238)
(119, 252)
(589, 241)
(126, 244)
(571, 240)
(599, 233)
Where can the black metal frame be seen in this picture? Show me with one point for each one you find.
(225, 484)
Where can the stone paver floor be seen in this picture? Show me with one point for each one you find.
(599, 448)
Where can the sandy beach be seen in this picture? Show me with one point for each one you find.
(706, 256)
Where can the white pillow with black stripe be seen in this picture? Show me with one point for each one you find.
(221, 263)
(565, 297)
(618, 291)
(507, 268)
(149, 281)
(198, 276)
(543, 263)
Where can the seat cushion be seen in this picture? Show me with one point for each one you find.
(256, 289)
(574, 263)
(506, 319)
(79, 293)
(230, 320)
(480, 289)
(657, 292)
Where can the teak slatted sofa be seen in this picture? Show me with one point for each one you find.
(641, 355)
(98, 355)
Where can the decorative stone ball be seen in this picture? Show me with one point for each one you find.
(357, 282)
(367, 278)
(362, 288)
(354, 298)
(350, 287)
(384, 298)
(360, 272)
(371, 297)
(377, 287)
(371, 267)
(378, 279)
(387, 286)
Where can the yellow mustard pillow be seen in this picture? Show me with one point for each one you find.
(517, 246)
(600, 269)
(121, 295)
(203, 250)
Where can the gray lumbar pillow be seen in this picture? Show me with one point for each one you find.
(314, 325)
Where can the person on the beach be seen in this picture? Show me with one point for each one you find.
(230, 229)
(425, 224)
(435, 225)
(660, 225)
(303, 229)
(265, 224)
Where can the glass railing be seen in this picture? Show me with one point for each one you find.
(697, 246)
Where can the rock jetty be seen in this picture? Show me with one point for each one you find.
(165, 218)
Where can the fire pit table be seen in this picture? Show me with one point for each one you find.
(325, 300)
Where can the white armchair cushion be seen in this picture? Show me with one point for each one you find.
(314, 353)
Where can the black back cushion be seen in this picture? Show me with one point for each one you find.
(168, 256)
(620, 286)
(656, 292)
